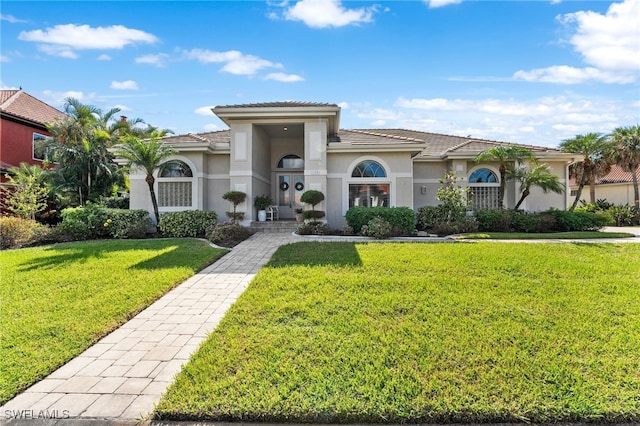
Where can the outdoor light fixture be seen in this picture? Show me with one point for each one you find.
(423, 189)
(285, 129)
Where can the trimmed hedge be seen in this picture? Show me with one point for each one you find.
(187, 223)
(92, 222)
(402, 219)
(549, 221)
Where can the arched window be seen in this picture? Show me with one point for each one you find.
(365, 188)
(485, 188)
(368, 169)
(291, 161)
(175, 168)
(175, 182)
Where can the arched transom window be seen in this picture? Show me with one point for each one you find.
(291, 161)
(485, 187)
(365, 188)
(175, 182)
(368, 169)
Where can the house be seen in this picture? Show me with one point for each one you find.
(616, 187)
(285, 148)
(22, 129)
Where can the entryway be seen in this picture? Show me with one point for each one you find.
(290, 189)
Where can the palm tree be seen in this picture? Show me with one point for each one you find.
(148, 155)
(506, 156)
(625, 152)
(539, 175)
(594, 164)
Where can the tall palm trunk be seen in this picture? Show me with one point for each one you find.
(636, 192)
(150, 181)
(578, 195)
(503, 185)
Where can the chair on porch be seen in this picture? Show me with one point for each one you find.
(272, 213)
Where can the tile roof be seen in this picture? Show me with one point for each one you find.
(220, 136)
(617, 175)
(22, 105)
(282, 104)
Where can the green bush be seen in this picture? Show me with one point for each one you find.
(114, 202)
(84, 223)
(624, 215)
(402, 219)
(377, 228)
(314, 228)
(187, 223)
(312, 197)
(493, 220)
(313, 214)
(460, 226)
(567, 221)
(227, 234)
(122, 223)
(428, 216)
(17, 232)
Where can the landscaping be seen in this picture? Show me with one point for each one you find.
(408, 333)
(58, 300)
(584, 235)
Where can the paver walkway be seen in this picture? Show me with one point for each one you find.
(124, 374)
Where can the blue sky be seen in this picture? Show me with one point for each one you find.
(533, 72)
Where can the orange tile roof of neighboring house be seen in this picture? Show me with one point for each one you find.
(617, 175)
(22, 105)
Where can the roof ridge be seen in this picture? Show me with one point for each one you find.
(197, 136)
(386, 135)
(11, 99)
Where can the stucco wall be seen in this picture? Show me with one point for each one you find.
(16, 142)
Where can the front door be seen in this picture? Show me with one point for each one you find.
(290, 189)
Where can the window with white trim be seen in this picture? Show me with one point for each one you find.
(175, 183)
(484, 189)
(40, 149)
(368, 186)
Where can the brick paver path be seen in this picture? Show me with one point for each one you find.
(124, 374)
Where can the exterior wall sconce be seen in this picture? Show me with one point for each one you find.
(423, 189)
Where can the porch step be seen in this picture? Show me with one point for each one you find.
(276, 226)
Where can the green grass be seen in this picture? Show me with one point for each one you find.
(401, 333)
(588, 235)
(56, 301)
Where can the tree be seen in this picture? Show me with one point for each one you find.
(506, 156)
(26, 192)
(235, 198)
(625, 152)
(594, 164)
(80, 143)
(147, 155)
(539, 175)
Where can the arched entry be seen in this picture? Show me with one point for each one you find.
(290, 185)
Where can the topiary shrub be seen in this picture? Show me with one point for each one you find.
(313, 215)
(187, 223)
(16, 232)
(235, 198)
(227, 234)
(312, 197)
(402, 219)
(377, 228)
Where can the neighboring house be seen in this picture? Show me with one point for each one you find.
(285, 148)
(616, 187)
(22, 128)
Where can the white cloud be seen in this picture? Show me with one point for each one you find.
(57, 98)
(124, 85)
(4, 58)
(104, 57)
(440, 3)
(344, 105)
(235, 62)
(159, 59)
(609, 44)
(211, 127)
(328, 13)
(284, 78)
(65, 40)
(11, 19)
(123, 108)
(5, 87)
(205, 110)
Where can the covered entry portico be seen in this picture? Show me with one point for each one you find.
(279, 149)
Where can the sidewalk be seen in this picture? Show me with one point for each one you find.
(124, 374)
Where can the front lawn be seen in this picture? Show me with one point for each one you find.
(401, 333)
(58, 300)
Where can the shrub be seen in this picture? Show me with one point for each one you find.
(84, 223)
(312, 197)
(577, 221)
(402, 219)
(624, 215)
(114, 202)
(377, 228)
(235, 198)
(187, 223)
(461, 226)
(313, 214)
(493, 220)
(123, 223)
(314, 228)
(522, 221)
(227, 234)
(261, 202)
(17, 232)
(428, 216)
